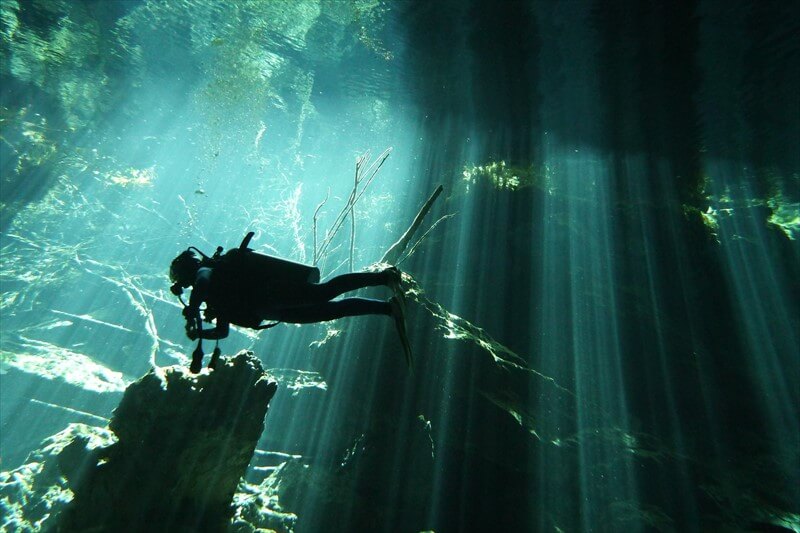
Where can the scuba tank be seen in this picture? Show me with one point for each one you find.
(281, 270)
(250, 264)
(251, 278)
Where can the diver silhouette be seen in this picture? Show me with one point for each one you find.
(245, 288)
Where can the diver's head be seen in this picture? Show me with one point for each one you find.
(183, 270)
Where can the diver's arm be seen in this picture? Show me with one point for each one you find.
(194, 324)
(200, 289)
(220, 331)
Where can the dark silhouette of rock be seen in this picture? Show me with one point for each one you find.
(184, 442)
(33, 495)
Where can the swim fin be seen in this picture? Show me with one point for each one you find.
(398, 313)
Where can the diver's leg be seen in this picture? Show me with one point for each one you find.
(311, 293)
(353, 281)
(323, 311)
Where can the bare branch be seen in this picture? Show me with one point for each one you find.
(424, 235)
(314, 229)
(397, 249)
(355, 194)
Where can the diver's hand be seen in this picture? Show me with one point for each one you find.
(190, 312)
(191, 331)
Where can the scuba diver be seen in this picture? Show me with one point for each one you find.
(245, 288)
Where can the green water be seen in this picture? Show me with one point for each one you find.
(605, 305)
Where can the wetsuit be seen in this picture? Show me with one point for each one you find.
(247, 299)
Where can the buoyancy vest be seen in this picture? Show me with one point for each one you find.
(244, 281)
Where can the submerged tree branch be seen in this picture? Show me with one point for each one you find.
(393, 254)
(314, 223)
(361, 176)
(421, 239)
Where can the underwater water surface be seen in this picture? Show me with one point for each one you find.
(603, 302)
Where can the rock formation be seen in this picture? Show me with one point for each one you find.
(180, 445)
